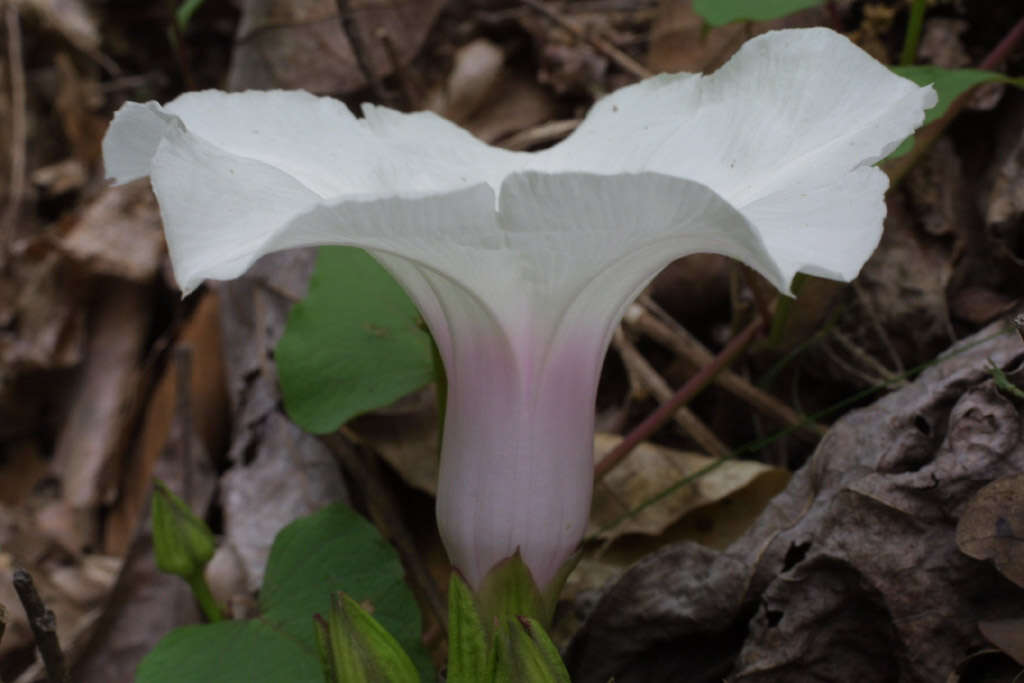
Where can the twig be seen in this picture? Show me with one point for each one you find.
(361, 50)
(883, 374)
(876, 324)
(613, 53)
(541, 134)
(764, 306)
(685, 394)
(684, 417)
(183, 416)
(365, 471)
(177, 39)
(16, 183)
(44, 627)
(926, 137)
(407, 84)
(676, 338)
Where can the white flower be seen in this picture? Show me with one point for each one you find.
(522, 263)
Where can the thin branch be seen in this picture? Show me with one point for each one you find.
(684, 417)
(541, 134)
(685, 394)
(613, 53)
(361, 50)
(183, 416)
(44, 627)
(406, 82)
(16, 182)
(676, 338)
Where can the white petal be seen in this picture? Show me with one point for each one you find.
(132, 139)
(221, 212)
(315, 140)
(438, 142)
(784, 132)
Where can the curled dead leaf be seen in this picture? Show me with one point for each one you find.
(729, 496)
(992, 527)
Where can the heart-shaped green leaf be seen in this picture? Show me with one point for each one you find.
(355, 343)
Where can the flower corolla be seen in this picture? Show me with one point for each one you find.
(522, 263)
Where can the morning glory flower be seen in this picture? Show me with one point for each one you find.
(522, 263)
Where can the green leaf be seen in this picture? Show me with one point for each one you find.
(355, 343)
(313, 557)
(721, 12)
(949, 84)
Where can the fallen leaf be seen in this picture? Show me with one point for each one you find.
(300, 44)
(1007, 635)
(101, 414)
(209, 407)
(118, 234)
(852, 572)
(744, 486)
(476, 69)
(992, 527)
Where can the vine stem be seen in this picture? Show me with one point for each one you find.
(913, 35)
(203, 595)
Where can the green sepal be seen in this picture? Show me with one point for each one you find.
(359, 649)
(509, 590)
(182, 542)
(323, 647)
(526, 653)
(470, 657)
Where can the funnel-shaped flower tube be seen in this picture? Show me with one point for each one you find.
(522, 263)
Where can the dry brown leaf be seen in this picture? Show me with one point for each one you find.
(992, 527)
(118, 234)
(1007, 635)
(101, 412)
(407, 436)
(476, 69)
(905, 284)
(209, 408)
(300, 43)
(744, 486)
(48, 330)
(680, 41)
(852, 573)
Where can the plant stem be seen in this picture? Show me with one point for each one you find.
(207, 603)
(685, 394)
(44, 627)
(913, 36)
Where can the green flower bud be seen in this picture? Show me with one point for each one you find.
(182, 542)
